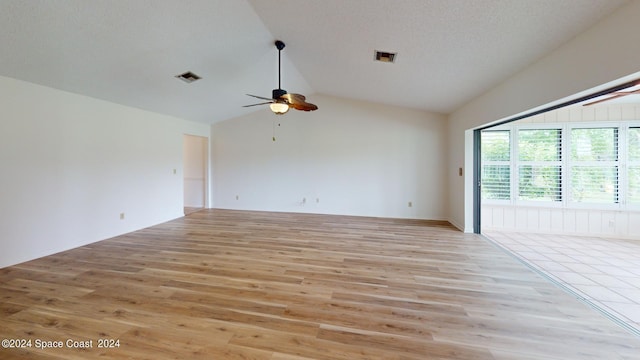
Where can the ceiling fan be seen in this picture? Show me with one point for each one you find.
(281, 100)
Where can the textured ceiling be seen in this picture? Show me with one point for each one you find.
(449, 51)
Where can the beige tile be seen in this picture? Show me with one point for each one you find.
(533, 256)
(610, 281)
(633, 281)
(632, 294)
(582, 268)
(552, 266)
(574, 278)
(600, 293)
(604, 271)
(630, 311)
(613, 270)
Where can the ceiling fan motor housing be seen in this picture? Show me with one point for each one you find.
(276, 93)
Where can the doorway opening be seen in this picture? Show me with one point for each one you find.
(559, 189)
(609, 95)
(195, 172)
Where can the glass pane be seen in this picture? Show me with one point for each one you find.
(539, 145)
(540, 183)
(597, 144)
(496, 180)
(634, 185)
(594, 184)
(495, 145)
(634, 143)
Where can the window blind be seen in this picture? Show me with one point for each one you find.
(496, 168)
(496, 182)
(594, 165)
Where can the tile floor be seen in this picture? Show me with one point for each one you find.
(604, 272)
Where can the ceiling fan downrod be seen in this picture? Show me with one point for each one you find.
(277, 93)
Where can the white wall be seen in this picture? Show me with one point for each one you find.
(606, 52)
(565, 221)
(349, 157)
(71, 164)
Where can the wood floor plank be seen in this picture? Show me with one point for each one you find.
(223, 284)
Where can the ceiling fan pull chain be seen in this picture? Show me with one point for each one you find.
(274, 130)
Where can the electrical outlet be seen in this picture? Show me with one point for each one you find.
(121, 216)
(459, 171)
(174, 171)
(410, 204)
(237, 197)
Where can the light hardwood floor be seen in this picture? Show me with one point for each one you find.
(222, 284)
(190, 209)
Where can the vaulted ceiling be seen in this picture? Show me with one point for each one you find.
(128, 52)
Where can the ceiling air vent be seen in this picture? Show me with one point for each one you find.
(188, 77)
(385, 56)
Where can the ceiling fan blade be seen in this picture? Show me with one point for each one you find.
(293, 97)
(304, 106)
(297, 101)
(264, 103)
(614, 95)
(260, 97)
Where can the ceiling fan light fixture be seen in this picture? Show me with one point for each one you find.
(279, 108)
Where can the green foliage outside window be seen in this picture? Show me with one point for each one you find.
(594, 184)
(538, 181)
(539, 145)
(597, 144)
(495, 145)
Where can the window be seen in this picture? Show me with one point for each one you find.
(496, 169)
(570, 165)
(633, 169)
(594, 165)
(539, 165)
